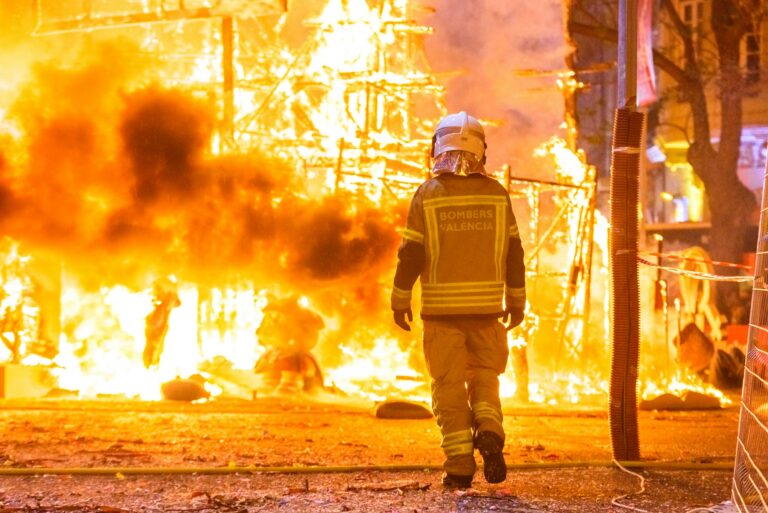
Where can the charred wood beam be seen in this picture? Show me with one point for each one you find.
(228, 76)
(89, 22)
(517, 179)
(123, 20)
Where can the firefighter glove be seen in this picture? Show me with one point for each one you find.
(400, 316)
(513, 317)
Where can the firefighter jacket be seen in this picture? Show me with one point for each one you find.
(461, 238)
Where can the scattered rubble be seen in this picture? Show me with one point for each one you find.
(689, 400)
(401, 409)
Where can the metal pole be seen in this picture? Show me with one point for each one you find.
(628, 54)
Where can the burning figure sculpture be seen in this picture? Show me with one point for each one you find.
(462, 240)
(289, 331)
(698, 299)
(165, 299)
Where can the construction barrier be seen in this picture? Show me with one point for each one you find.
(750, 485)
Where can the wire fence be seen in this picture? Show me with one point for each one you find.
(750, 483)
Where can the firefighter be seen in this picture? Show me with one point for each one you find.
(462, 241)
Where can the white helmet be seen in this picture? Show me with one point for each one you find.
(459, 132)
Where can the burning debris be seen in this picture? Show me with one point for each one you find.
(185, 389)
(165, 299)
(717, 364)
(394, 409)
(289, 331)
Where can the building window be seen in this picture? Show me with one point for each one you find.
(692, 14)
(752, 57)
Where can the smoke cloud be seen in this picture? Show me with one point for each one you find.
(332, 243)
(114, 181)
(164, 137)
(509, 53)
(113, 171)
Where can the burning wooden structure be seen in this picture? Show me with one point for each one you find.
(206, 155)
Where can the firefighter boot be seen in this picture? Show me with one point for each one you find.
(451, 481)
(490, 446)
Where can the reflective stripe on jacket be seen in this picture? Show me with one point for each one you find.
(461, 238)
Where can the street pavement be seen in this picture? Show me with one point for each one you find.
(558, 458)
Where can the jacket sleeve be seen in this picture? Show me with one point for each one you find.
(515, 279)
(410, 257)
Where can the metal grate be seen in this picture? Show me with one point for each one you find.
(750, 478)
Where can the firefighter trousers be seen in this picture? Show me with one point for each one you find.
(464, 359)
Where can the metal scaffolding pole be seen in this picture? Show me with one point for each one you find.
(228, 79)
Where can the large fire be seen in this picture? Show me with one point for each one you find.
(164, 189)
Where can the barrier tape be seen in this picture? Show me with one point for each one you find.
(696, 274)
(672, 256)
(632, 150)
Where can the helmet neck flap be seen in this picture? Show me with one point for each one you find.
(460, 163)
(458, 145)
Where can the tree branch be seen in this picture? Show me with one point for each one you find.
(612, 36)
(700, 150)
(685, 33)
(682, 29)
(730, 24)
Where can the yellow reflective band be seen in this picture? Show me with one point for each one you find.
(434, 243)
(463, 292)
(516, 296)
(466, 285)
(444, 201)
(487, 416)
(459, 293)
(401, 293)
(459, 449)
(485, 405)
(413, 235)
(486, 410)
(499, 246)
(492, 415)
(483, 301)
(428, 303)
(458, 443)
(514, 231)
(460, 299)
(458, 436)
